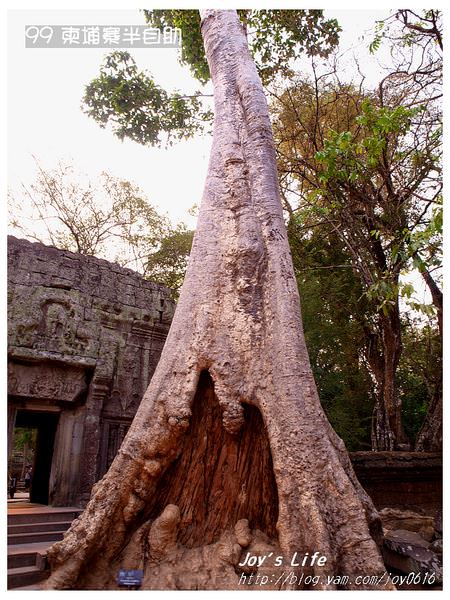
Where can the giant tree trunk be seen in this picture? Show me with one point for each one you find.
(230, 450)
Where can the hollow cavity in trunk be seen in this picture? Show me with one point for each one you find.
(219, 478)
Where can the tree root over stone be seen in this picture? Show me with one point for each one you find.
(168, 565)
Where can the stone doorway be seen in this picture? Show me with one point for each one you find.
(45, 424)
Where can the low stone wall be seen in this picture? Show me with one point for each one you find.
(406, 480)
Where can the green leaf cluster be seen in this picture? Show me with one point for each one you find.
(169, 263)
(188, 22)
(349, 156)
(139, 109)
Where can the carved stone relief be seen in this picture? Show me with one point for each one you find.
(46, 382)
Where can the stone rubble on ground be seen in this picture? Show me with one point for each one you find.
(412, 542)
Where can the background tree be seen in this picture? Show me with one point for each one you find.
(420, 382)
(417, 48)
(429, 262)
(169, 263)
(24, 445)
(333, 309)
(111, 219)
(365, 166)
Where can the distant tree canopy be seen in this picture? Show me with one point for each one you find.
(110, 218)
(419, 372)
(333, 310)
(168, 264)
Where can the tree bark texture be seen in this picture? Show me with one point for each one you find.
(429, 438)
(230, 450)
(383, 354)
(437, 297)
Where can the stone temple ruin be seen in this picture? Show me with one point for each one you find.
(84, 338)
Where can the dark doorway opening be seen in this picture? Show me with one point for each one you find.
(21, 460)
(45, 423)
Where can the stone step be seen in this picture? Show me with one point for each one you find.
(34, 586)
(32, 515)
(39, 527)
(34, 538)
(22, 555)
(21, 559)
(25, 576)
(32, 530)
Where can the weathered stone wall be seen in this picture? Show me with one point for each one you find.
(84, 338)
(403, 480)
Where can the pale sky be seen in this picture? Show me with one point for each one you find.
(45, 87)
(45, 119)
